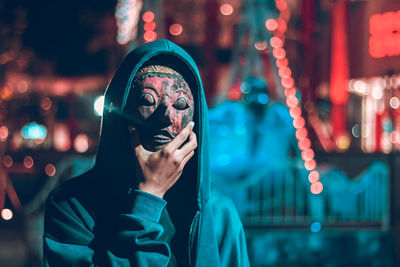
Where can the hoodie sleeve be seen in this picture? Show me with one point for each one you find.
(69, 240)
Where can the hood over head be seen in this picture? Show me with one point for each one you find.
(115, 158)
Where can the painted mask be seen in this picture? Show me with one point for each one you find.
(164, 105)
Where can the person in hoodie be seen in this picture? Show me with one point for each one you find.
(148, 200)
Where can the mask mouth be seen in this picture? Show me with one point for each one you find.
(155, 140)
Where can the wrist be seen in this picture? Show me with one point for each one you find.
(148, 189)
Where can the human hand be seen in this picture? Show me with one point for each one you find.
(161, 169)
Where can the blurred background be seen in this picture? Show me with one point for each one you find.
(304, 115)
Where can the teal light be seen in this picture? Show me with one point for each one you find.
(33, 131)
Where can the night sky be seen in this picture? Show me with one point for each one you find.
(61, 32)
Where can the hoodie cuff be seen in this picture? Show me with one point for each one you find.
(147, 205)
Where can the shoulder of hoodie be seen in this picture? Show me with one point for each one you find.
(73, 188)
(222, 207)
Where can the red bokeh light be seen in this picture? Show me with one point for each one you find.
(301, 133)
(175, 29)
(316, 188)
(226, 9)
(279, 52)
(8, 161)
(3, 133)
(282, 62)
(290, 91)
(307, 155)
(313, 176)
(285, 72)
(50, 170)
(295, 112)
(28, 162)
(299, 122)
(310, 164)
(292, 101)
(46, 103)
(276, 42)
(271, 25)
(148, 16)
(149, 36)
(287, 82)
(304, 143)
(150, 26)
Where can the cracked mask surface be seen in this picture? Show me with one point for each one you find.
(164, 105)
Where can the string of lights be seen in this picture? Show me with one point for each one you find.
(278, 28)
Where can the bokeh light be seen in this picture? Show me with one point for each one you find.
(149, 36)
(310, 164)
(6, 214)
(313, 176)
(343, 142)
(50, 169)
(28, 162)
(226, 9)
(315, 227)
(150, 26)
(8, 161)
(175, 29)
(148, 16)
(316, 188)
(271, 25)
(61, 137)
(261, 45)
(81, 143)
(394, 102)
(99, 105)
(46, 103)
(3, 133)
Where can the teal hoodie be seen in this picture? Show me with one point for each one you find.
(101, 219)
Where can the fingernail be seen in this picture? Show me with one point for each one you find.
(191, 124)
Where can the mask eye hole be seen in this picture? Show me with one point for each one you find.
(147, 100)
(181, 103)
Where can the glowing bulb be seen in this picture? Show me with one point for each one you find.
(99, 105)
(6, 214)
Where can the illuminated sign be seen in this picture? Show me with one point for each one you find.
(385, 34)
